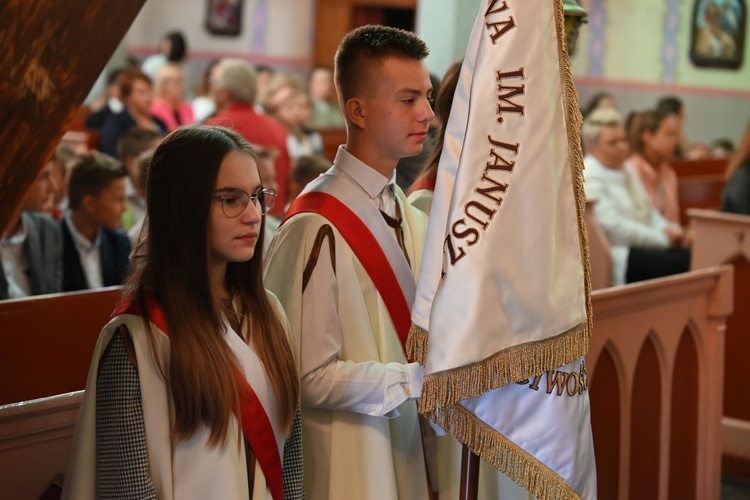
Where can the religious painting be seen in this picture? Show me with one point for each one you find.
(224, 17)
(718, 33)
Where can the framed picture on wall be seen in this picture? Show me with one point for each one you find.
(224, 17)
(718, 33)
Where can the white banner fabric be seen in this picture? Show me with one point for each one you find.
(502, 311)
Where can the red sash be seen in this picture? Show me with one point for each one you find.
(366, 248)
(255, 424)
(424, 183)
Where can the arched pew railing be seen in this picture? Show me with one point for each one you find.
(655, 367)
(722, 238)
(661, 329)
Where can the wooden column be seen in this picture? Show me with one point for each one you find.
(52, 53)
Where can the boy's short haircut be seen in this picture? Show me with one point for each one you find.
(135, 141)
(368, 45)
(92, 174)
(309, 168)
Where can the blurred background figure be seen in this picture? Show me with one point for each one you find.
(408, 168)
(263, 76)
(203, 104)
(643, 244)
(326, 112)
(600, 100)
(673, 105)
(722, 148)
(31, 245)
(422, 190)
(142, 163)
(95, 250)
(736, 195)
(306, 169)
(653, 138)
(137, 95)
(575, 16)
(63, 158)
(169, 103)
(111, 103)
(133, 143)
(172, 48)
(234, 92)
(290, 104)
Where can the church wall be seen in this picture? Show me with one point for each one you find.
(638, 50)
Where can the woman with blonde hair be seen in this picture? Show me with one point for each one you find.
(193, 390)
(169, 104)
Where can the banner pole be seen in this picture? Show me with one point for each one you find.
(469, 475)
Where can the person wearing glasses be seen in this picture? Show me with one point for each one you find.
(193, 392)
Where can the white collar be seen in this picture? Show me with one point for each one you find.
(16, 238)
(366, 177)
(82, 243)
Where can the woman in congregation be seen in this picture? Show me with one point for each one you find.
(193, 391)
(654, 137)
(136, 93)
(643, 243)
(169, 105)
(422, 191)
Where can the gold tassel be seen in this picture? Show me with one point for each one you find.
(508, 366)
(573, 121)
(503, 454)
(416, 344)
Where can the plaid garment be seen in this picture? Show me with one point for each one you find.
(294, 488)
(121, 450)
(121, 453)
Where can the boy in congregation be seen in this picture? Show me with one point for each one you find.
(134, 142)
(95, 250)
(31, 245)
(361, 434)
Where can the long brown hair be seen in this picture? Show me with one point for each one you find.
(443, 104)
(639, 123)
(172, 263)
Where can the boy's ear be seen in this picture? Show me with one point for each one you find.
(355, 111)
(88, 203)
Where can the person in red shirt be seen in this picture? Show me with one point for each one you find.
(234, 90)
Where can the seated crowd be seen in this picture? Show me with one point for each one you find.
(101, 205)
(86, 211)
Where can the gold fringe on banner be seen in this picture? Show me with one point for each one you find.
(573, 121)
(416, 344)
(511, 365)
(503, 454)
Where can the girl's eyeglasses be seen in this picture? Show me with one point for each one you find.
(235, 201)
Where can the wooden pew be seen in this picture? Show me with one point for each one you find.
(655, 367)
(599, 253)
(35, 441)
(699, 184)
(47, 342)
(725, 239)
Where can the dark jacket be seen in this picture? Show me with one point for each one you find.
(114, 251)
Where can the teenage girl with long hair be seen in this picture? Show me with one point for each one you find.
(193, 390)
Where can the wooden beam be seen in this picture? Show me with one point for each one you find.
(52, 53)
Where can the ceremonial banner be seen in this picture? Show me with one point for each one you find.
(502, 315)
